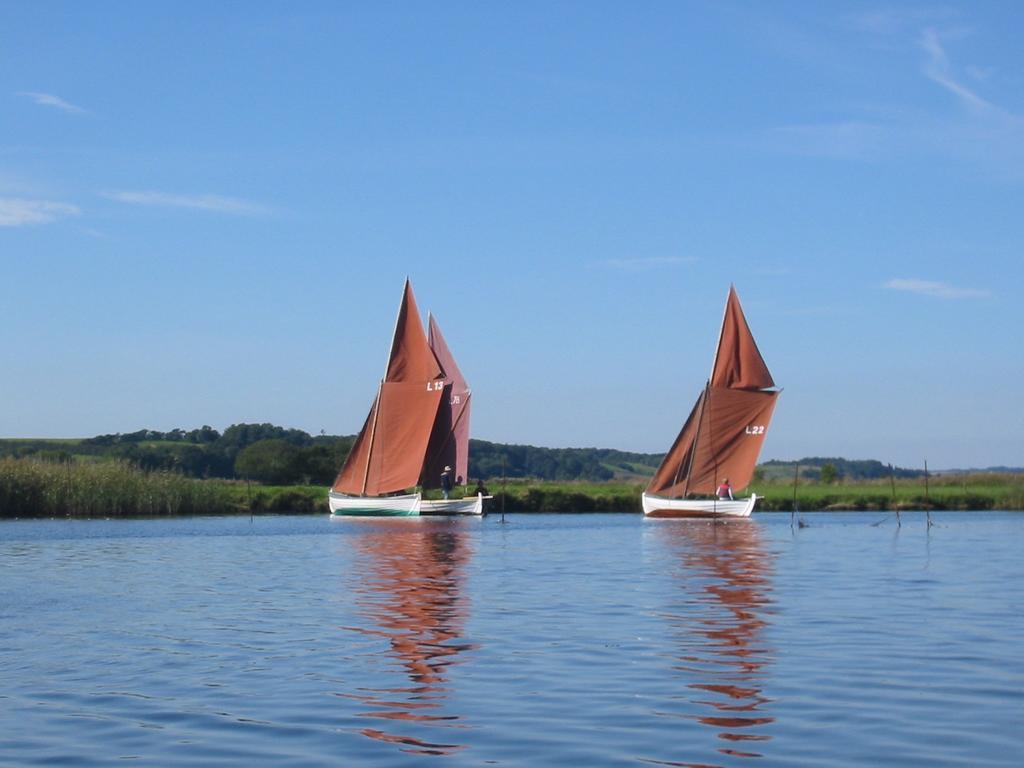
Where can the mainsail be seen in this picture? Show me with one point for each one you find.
(449, 442)
(723, 434)
(389, 452)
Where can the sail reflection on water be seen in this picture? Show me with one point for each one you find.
(410, 591)
(725, 576)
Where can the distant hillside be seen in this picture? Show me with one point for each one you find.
(492, 460)
(987, 470)
(284, 456)
(810, 468)
(863, 469)
(287, 456)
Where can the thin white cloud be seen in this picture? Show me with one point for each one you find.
(938, 69)
(20, 212)
(981, 132)
(933, 288)
(211, 203)
(49, 100)
(648, 262)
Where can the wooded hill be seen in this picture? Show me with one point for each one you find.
(273, 454)
(281, 456)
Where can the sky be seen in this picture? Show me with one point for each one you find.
(208, 211)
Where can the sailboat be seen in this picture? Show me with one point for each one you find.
(417, 427)
(724, 432)
(449, 441)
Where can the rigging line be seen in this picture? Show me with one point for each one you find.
(714, 455)
(696, 437)
(707, 392)
(407, 288)
(688, 457)
(721, 333)
(373, 429)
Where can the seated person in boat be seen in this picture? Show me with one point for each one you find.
(725, 491)
(446, 481)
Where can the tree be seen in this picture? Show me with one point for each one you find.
(829, 473)
(269, 461)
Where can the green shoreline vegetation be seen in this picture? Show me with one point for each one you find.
(258, 468)
(34, 488)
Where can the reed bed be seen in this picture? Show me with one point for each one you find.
(31, 488)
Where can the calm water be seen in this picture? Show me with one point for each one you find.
(551, 640)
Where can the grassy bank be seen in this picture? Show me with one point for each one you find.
(968, 492)
(31, 488)
(974, 491)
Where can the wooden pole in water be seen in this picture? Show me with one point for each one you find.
(796, 478)
(927, 498)
(892, 482)
(503, 492)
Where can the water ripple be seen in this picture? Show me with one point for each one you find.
(600, 640)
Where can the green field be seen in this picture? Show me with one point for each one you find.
(969, 491)
(34, 488)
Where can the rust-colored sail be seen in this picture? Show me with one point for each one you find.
(388, 453)
(738, 363)
(671, 476)
(449, 443)
(411, 358)
(724, 432)
(721, 439)
(354, 473)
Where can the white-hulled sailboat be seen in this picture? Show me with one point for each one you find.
(417, 426)
(723, 434)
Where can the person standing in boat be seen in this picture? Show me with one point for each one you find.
(725, 491)
(446, 481)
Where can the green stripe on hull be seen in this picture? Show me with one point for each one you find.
(374, 512)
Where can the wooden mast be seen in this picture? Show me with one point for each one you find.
(373, 428)
(707, 395)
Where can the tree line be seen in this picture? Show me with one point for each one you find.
(281, 456)
(277, 455)
(832, 469)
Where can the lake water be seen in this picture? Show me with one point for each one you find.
(592, 640)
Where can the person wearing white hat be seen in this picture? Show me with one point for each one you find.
(446, 481)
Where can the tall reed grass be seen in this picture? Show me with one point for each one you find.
(32, 488)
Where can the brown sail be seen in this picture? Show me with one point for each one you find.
(449, 443)
(738, 362)
(724, 432)
(389, 451)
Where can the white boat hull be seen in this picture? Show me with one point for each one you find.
(473, 505)
(659, 506)
(407, 505)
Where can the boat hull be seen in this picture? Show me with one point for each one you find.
(407, 505)
(473, 505)
(658, 506)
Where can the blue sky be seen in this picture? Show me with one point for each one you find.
(207, 211)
